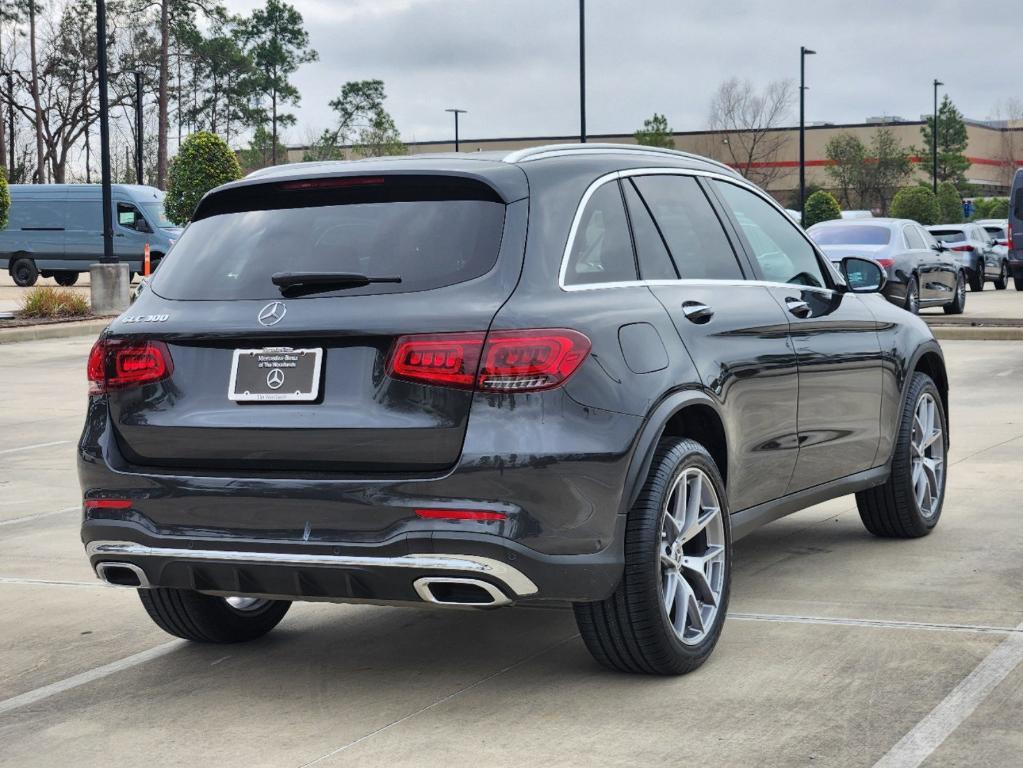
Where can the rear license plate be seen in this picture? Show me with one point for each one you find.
(275, 374)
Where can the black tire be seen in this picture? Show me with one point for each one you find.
(1002, 281)
(1018, 283)
(630, 631)
(65, 278)
(24, 272)
(958, 304)
(208, 619)
(977, 279)
(912, 302)
(890, 510)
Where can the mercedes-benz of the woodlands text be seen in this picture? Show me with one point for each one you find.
(569, 374)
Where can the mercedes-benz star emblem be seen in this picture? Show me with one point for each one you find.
(272, 313)
(275, 379)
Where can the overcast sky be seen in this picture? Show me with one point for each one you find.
(513, 64)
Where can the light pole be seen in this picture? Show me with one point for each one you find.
(109, 280)
(138, 127)
(803, 53)
(456, 113)
(582, 71)
(934, 139)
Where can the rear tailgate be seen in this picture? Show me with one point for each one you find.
(231, 335)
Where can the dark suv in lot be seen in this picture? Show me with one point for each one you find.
(569, 374)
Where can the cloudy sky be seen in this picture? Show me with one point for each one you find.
(513, 64)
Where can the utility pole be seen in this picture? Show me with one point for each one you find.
(138, 127)
(803, 53)
(934, 139)
(456, 113)
(109, 280)
(582, 71)
(10, 122)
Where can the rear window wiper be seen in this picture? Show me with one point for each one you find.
(294, 284)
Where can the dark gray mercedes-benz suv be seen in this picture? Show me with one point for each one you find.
(572, 374)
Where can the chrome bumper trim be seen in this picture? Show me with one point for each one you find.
(514, 579)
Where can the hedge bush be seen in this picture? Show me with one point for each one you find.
(44, 301)
(950, 204)
(990, 208)
(821, 206)
(203, 162)
(5, 199)
(917, 203)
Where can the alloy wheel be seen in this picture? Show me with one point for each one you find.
(928, 456)
(692, 556)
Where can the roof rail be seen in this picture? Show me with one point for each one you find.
(555, 150)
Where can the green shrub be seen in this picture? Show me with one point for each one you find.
(47, 302)
(821, 206)
(203, 162)
(5, 198)
(950, 204)
(917, 203)
(990, 208)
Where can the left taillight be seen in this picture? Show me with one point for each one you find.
(118, 363)
(501, 361)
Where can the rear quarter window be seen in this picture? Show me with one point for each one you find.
(430, 235)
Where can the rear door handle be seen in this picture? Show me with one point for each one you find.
(697, 312)
(797, 307)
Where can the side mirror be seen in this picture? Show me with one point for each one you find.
(939, 247)
(863, 275)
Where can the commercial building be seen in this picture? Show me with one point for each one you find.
(995, 150)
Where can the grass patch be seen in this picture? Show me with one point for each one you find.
(53, 303)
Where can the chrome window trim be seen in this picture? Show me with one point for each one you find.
(513, 578)
(617, 175)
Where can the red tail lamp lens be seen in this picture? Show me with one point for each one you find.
(108, 503)
(445, 359)
(503, 361)
(334, 183)
(886, 263)
(963, 248)
(526, 361)
(459, 514)
(115, 364)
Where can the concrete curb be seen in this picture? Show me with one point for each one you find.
(977, 333)
(54, 330)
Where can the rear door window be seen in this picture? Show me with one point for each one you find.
(429, 233)
(691, 229)
(913, 239)
(602, 250)
(652, 254)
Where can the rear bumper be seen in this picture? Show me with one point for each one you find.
(387, 572)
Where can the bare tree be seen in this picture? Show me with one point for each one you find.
(37, 118)
(1011, 112)
(748, 121)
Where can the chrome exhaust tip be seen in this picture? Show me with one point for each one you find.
(465, 593)
(123, 575)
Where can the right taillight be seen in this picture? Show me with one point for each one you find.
(963, 248)
(117, 363)
(886, 263)
(501, 361)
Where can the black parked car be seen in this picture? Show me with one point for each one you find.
(572, 373)
(921, 272)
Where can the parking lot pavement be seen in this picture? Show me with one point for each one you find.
(989, 303)
(838, 645)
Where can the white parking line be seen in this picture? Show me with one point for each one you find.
(53, 582)
(876, 623)
(917, 745)
(33, 447)
(39, 694)
(39, 516)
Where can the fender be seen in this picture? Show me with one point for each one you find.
(653, 428)
(926, 347)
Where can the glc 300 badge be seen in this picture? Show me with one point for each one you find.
(145, 319)
(272, 313)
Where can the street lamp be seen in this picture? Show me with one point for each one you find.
(803, 53)
(934, 139)
(456, 113)
(582, 71)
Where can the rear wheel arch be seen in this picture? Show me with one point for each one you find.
(690, 415)
(930, 362)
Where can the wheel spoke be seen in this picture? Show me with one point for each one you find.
(694, 501)
(930, 440)
(670, 590)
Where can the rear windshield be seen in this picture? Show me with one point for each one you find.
(430, 237)
(995, 231)
(851, 234)
(949, 235)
